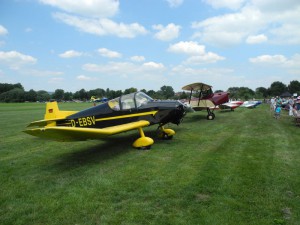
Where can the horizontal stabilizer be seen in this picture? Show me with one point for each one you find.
(42, 123)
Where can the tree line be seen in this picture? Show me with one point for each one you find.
(17, 93)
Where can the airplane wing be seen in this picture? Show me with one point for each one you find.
(80, 134)
(196, 87)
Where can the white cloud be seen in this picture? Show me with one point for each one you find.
(287, 34)
(15, 60)
(197, 53)
(140, 74)
(121, 68)
(102, 26)
(206, 58)
(70, 54)
(3, 30)
(56, 80)
(269, 59)
(91, 8)
(187, 47)
(137, 58)
(230, 4)
(278, 20)
(278, 60)
(168, 33)
(42, 73)
(174, 3)
(230, 29)
(108, 53)
(275, 5)
(83, 78)
(153, 65)
(257, 39)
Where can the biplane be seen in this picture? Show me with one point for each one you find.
(206, 100)
(127, 112)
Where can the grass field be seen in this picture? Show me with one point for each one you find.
(241, 168)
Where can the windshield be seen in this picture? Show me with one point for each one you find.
(130, 101)
(142, 99)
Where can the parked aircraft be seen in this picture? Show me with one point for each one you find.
(251, 104)
(128, 112)
(207, 100)
(231, 105)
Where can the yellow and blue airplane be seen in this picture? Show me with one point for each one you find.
(127, 112)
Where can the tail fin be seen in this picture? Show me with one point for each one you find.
(53, 112)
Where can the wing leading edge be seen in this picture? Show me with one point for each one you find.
(81, 134)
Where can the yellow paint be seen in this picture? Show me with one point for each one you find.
(53, 112)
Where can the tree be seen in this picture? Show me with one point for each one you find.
(14, 95)
(245, 93)
(68, 96)
(151, 93)
(82, 94)
(233, 91)
(277, 88)
(261, 92)
(43, 96)
(294, 87)
(183, 95)
(31, 96)
(58, 94)
(4, 87)
(167, 92)
(130, 90)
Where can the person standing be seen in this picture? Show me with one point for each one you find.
(291, 104)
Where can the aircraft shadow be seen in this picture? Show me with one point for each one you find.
(95, 154)
(103, 150)
(194, 117)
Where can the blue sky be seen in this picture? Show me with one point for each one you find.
(70, 45)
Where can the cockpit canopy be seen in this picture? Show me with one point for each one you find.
(130, 101)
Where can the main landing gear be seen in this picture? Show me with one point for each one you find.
(143, 142)
(210, 114)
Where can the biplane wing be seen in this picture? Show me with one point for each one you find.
(62, 133)
(197, 87)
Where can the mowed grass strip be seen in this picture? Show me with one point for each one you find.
(241, 168)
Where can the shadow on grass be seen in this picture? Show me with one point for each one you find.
(96, 152)
(192, 117)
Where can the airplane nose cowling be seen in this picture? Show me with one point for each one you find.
(179, 113)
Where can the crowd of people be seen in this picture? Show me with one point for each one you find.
(291, 104)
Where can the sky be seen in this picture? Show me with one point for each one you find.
(146, 44)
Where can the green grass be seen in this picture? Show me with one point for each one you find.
(241, 168)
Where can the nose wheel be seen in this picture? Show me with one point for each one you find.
(165, 134)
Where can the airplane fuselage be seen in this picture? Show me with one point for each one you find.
(105, 115)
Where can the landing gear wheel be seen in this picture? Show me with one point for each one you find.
(145, 148)
(210, 116)
(167, 137)
(164, 135)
